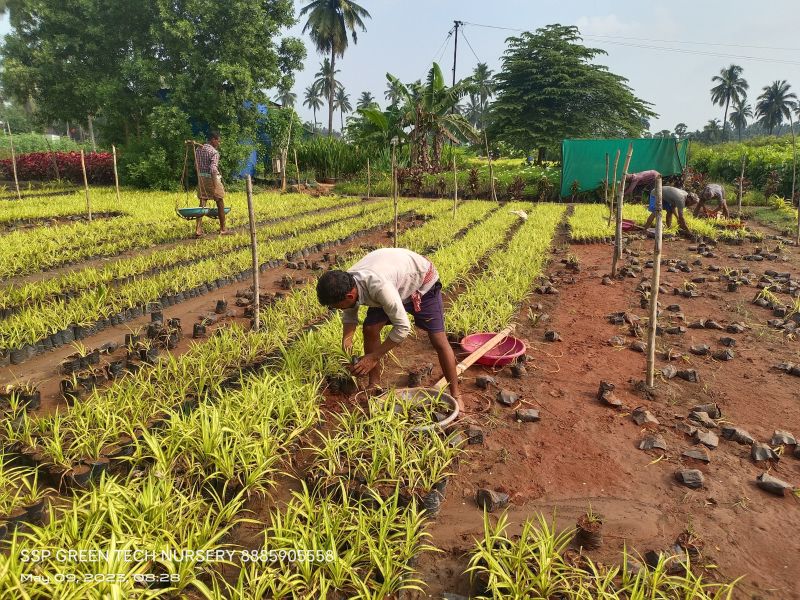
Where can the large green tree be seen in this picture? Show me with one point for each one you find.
(775, 104)
(549, 89)
(137, 66)
(730, 87)
(328, 24)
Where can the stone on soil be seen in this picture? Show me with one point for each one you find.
(669, 371)
(760, 451)
(713, 325)
(735, 328)
(699, 349)
(697, 454)
(552, 336)
(723, 355)
(773, 485)
(491, 500)
(638, 346)
(707, 438)
(691, 478)
(783, 437)
(484, 381)
(689, 375)
(642, 416)
(727, 341)
(654, 441)
(737, 434)
(527, 415)
(474, 435)
(507, 397)
(711, 409)
(703, 419)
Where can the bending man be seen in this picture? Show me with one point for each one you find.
(209, 184)
(391, 282)
(644, 181)
(712, 191)
(674, 200)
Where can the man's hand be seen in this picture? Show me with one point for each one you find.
(365, 365)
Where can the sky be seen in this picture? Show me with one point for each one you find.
(667, 50)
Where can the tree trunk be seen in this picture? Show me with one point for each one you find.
(341, 121)
(314, 128)
(540, 154)
(91, 133)
(725, 119)
(330, 93)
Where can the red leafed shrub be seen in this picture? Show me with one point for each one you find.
(38, 166)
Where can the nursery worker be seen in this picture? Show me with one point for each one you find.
(713, 191)
(674, 200)
(391, 282)
(644, 181)
(209, 184)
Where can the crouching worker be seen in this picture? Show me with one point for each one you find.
(674, 201)
(713, 191)
(392, 282)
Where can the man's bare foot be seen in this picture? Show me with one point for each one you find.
(224, 232)
(198, 234)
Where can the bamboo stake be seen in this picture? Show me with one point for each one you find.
(491, 167)
(297, 166)
(741, 186)
(455, 187)
(394, 191)
(369, 180)
(620, 195)
(655, 282)
(285, 153)
(13, 161)
(613, 188)
(86, 186)
(473, 358)
(116, 175)
(605, 189)
(794, 177)
(254, 250)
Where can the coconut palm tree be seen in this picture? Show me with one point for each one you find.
(327, 83)
(731, 87)
(739, 115)
(286, 98)
(483, 86)
(394, 92)
(328, 24)
(473, 110)
(775, 104)
(365, 100)
(343, 104)
(313, 100)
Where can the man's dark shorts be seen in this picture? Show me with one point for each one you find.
(430, 317)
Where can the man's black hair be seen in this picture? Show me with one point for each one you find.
(333, 286)
(212, 135)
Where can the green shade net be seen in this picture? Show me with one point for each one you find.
(584, 161)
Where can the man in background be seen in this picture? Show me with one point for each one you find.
(712, 191)
(209, 184)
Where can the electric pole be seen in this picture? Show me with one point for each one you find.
(456, 25)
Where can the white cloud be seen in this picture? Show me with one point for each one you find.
(606, 25)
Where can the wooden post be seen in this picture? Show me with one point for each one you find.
(620, 195)
(455, 186)
(116, 176)
(613, 188)
(394, 190)
(652, 326)
(13, 161)
(794, 177)
(491, 168)
(605, 189)
(254, 250)
(297, 166)
(285, 153)
(86, 186)
(369, 180)
(741, 186)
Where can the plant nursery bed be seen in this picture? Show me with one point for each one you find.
(583, 454)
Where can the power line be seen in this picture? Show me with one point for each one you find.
(445, 47)
(440, 51)
(463, 33)
(602, 40)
